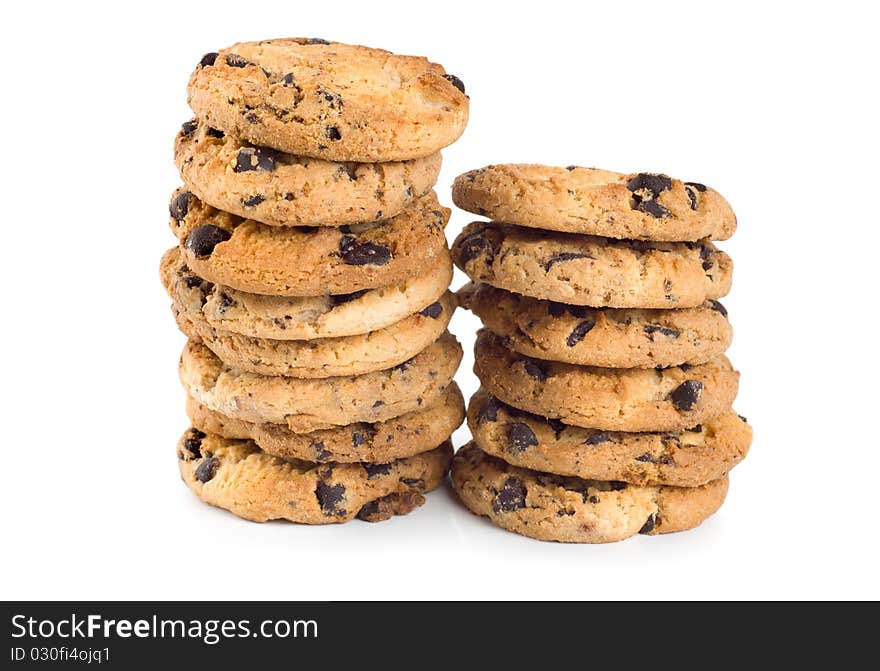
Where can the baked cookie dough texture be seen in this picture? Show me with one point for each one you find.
(311, 279)
(606, 401)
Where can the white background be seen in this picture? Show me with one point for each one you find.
(773, 104)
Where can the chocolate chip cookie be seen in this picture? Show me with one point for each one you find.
(301, 317)
(339, 102)
(586, 270)
(690, 458)
(285, 190)
(574, 510)
(287, 261)
(237, 476)
(327, 357)
(643, 206)
(614, 338)
(379, 442)
(611, 399)
(308, 405)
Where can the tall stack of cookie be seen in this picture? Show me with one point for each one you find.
(311, 279)
(605, 407)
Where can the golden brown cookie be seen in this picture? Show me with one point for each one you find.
(307, 405)
(334, 101)
(285, 190)
(301, 317)
(586, 270)
(237, 476)
(327, 357)
(643, 206)
(573, 510)
(614, 338)
(380, 442)
(286, 261)
(611, 399)
(690, 458)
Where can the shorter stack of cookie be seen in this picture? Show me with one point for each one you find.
(311, 279)
(605, 407)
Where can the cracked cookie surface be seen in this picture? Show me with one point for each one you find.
(300, 261)
(237, 476)
(612, 399)
(340, 102)
(574, 510)
(690, 458)
(587, 270)
(609, 337)
(281, 189)
(641, 206)
(300, 317)
(379, 442)
(306, 405)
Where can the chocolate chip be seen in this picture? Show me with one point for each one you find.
(597, 439)
(236, 61)
(651, 183)
(378, 403)
(333, 133)
(253, 200)
(535, 370)
(375, 470)
(213, 132)
(685, 366)
(743, 419)
(250, 117)
(572, 167)
(224, 303)
(208, 59)
(707, 265)
(349, 170)
(473, 246)
(563, 257)
(356, 253)
(715, 305)
(189, 127)
(646, 457)
(511, 497)
(692, 196)
(652, 207)
(648, 526)
(699, 187)
(455, 81)
(316, 40)
(330, 498)
(180, 205)
(433, 311)
(489, 411)
(358, 439)
(519, 437)
(193, 443)
(686, 395)
(577, 334)
(192, 282)
(706, 252)
(207, 469)
(558, 427)
(203, 239)
(257, 159)
(334, 101)
(339, 299)
(417, 483)
(320, 453)
(558, 309)
(289, 80)
(651, 329)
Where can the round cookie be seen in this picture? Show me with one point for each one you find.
(237, 476)
(574, 510)
(585, 270)
(286, 261)
(691, 458)
(327, 357)
(301, 317)
(308, 405)
(334, 101)
(380, 442)
(609, 337)
(285, 190)
(611, 399)
(643, 206)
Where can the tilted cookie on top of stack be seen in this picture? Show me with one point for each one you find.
(311, 279)
(605, 407)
